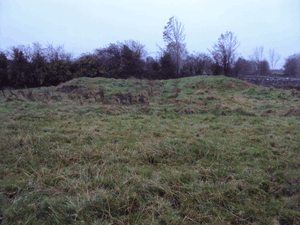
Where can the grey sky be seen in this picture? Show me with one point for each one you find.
(81, 26)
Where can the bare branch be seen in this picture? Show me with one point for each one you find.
(174, 37)
(224, 51)
(277, 58)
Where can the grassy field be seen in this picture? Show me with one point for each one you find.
(197, 150)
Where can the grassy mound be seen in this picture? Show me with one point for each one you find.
(197, 150)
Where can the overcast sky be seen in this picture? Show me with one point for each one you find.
(84, 25)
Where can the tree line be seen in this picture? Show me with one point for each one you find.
(26, 66)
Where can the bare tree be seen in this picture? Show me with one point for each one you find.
(257, 57)
(37, 47)
(174, 36)
(26, 51)
(201, 63)
(110, 59)
(274, 58)
(54, 54)
(258, 54)
(224, 52)
(137, 47)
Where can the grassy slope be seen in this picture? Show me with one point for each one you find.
(223, 151)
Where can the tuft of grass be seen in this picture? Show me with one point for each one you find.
(222, 151)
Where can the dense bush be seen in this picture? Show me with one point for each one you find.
(19, 70)
(23, 66)
(56, 73)
(292, 65)
(197, 64)
(249, 67)
(168, 68)
(3, 70)
(264, 67)
(86, 66)
(243, 67)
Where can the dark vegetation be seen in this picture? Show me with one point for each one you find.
(26, 67)
(36, 66)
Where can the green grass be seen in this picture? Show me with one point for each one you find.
(223, 152)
